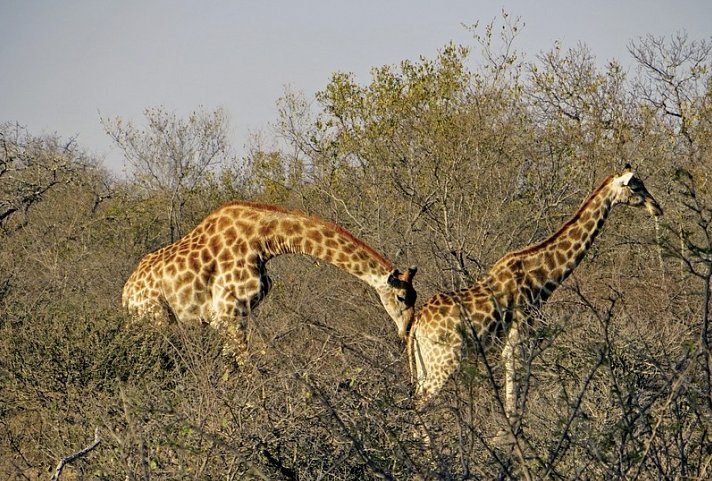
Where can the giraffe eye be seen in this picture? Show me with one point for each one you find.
(400, 298)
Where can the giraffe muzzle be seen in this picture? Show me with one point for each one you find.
(653, 207)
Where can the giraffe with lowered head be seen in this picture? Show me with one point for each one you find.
(216, 273)
(499, 305)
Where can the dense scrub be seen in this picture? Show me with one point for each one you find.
(446, 163)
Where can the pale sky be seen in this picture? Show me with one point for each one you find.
(65, 63)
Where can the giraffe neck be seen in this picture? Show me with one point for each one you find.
(278, 231)
(538, 270)
(335, 246)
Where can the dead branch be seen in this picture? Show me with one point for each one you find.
(74, 456)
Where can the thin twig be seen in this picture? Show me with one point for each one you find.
(79, 454)
(355, 442)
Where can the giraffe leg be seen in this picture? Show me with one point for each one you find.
(231, 313)
(510, 358)
(229, 318)
(235, 346)
(507, 435)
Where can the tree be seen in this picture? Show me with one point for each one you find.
(675, 87)
(450, 161)
(172, 156)
(30, 167)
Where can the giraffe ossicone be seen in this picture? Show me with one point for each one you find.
(502, 302)
(216, 273)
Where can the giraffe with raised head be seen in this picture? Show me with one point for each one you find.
(216, 273)
(494, 310)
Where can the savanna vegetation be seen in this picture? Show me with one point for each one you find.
(445, 162)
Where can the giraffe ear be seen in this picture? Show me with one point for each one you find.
(625, 178)
(627, 174)
(412, 270)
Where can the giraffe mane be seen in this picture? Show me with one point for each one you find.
(317, 220)
(555, 235)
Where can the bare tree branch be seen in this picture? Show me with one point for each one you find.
(74, 456)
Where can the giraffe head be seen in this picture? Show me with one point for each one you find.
(398, 297)
(630, 190)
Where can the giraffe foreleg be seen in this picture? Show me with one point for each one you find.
(233, 304)
(235, 345)
(510, 360)
(229, 318)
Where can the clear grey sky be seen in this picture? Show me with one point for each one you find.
(65, 63)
